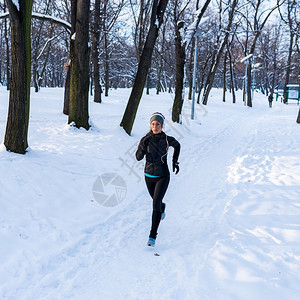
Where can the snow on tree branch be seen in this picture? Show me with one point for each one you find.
(39, 16)
(61, 22)
(4, 15)
(47, 42)
(191, 30)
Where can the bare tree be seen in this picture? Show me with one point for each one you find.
(211, 75)
(19, 99)
(268, 60)
(232, 88)
(141, 22)
(109, 13)
(37, 41)
(158, 9)
(208, 40)
(224, 76)
(260, 18)
(180, 54)
(79, 80)
(179, 72)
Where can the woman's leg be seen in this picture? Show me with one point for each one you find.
(157, 188)
(150, 182)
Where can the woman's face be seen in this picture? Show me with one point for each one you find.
(156, 127)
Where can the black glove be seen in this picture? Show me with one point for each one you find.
(175, 167)
(145, 144)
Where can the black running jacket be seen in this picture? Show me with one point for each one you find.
(155, 147)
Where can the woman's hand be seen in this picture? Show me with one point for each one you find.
(175, 167)
(144, 144)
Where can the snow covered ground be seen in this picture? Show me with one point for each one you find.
(232, 229)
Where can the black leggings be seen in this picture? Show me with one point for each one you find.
(157, 188)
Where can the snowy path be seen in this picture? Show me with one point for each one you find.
(232, 229)
(112, 258)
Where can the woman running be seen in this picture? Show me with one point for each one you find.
(155, 145)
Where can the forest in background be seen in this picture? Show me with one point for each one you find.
(121, 31)
(92, 46)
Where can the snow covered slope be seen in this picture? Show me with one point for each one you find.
(232, 229)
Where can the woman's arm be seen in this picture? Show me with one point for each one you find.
(176, 145)
(142, 148)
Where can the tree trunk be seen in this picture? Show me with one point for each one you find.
(79, 89)
(19, 99)
(274, 66)
(7, 54)
(201, 81)
(91, 82)
(106, 51)
(231, 75)
(224, 78)
(249, 82)
(106, 64)
(95, 52)
(66, 109)
(158, 10)
(199, 93)
(148, 83)
(190, 69)
(298, 118)
(158, 84)
(35, 76)
(288, 69)
(179, 75)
